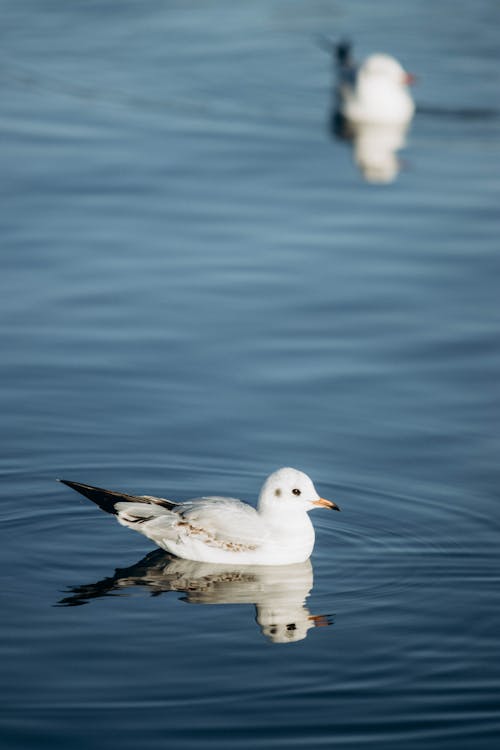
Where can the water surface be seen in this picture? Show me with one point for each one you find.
(198, 286)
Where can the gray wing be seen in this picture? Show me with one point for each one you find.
(214, 520)
(225, 519)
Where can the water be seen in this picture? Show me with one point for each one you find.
(198, 286)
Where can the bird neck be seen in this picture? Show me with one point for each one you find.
(283, 516)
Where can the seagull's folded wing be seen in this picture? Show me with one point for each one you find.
(225, 519)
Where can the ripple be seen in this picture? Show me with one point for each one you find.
(371, 558)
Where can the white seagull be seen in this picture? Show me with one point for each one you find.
(223, 529)
(376, 91)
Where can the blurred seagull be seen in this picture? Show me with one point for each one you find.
(223, 529)
(376, 91)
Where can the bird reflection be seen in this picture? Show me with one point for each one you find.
(278, 592)
(374, 146)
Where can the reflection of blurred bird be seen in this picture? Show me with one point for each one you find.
(375, 91)
(375, 147)
(222, 529)
(278, 592)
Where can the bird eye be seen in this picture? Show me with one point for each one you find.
(296, 491)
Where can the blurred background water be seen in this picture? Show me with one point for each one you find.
(197, 287)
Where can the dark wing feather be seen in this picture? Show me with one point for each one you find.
(107, 499)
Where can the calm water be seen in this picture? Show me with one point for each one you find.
(198, 287)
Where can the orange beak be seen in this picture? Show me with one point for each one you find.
(321, 621)
(322, 503)
(409, 79)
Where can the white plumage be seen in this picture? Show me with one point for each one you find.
(224, 529)
(376, 91)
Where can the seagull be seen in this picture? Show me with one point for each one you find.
(376, 91)
(224, 529)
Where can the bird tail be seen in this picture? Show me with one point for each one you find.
(343, 53)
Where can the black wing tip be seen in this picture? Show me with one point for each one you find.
(105, 499)
(343, 50)
(79, 486)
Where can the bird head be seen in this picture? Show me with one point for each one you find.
(292, 489)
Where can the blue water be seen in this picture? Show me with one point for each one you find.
(199, 286)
